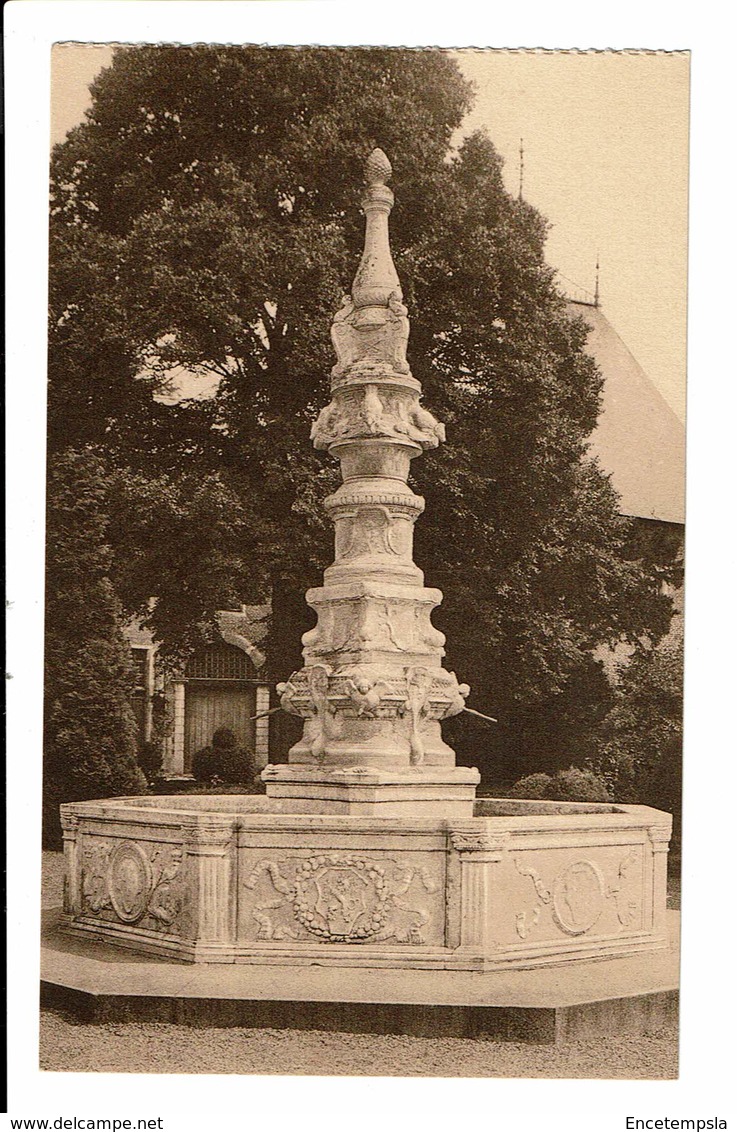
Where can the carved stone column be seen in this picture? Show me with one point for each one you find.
(173, 762)
(480, 850)
(210, 878)
(373, 690)
(70, 826)
(659, 840)
(261, 744)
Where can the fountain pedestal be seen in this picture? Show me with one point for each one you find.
(407, 792)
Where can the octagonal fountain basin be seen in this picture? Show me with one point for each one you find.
(239, 879)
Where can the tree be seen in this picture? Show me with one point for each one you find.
(89, 727)
(210, 199)
(638, 744)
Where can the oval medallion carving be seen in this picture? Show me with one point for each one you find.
(578, 897)
(130, 881)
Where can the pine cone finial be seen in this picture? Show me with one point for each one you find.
(378, 168)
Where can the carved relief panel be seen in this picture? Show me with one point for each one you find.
(325, 697)
(340, 897)
(371, 338)
(375, 531)
(374, 624)
(549, 894)
(131, 882)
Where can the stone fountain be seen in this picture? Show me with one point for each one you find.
(369, 848)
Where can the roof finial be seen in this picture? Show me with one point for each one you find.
(596, 286)
(521, 167)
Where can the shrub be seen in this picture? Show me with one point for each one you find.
(224, 761)
(577, 785)
(532, 786)
(572, 785)
(150, 759)
(224, 739)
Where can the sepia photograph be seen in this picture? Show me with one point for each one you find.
(364, 561)
(368, 708)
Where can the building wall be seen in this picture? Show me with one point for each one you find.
(225, 695)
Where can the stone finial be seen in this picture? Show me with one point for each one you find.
(376, 279)
(371, 329)
(378, 168)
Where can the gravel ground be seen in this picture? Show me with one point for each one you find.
(148, 1047)
(138, 1047)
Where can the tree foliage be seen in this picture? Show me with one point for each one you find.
(205, 220)
(89, 727)
(639, 743)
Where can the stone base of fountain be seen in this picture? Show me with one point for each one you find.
(370, 791)
(245, 879)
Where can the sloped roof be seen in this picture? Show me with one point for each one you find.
(638, 439)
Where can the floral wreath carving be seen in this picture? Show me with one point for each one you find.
(313, 869)
(372, 922)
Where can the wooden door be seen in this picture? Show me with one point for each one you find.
(209, 706)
